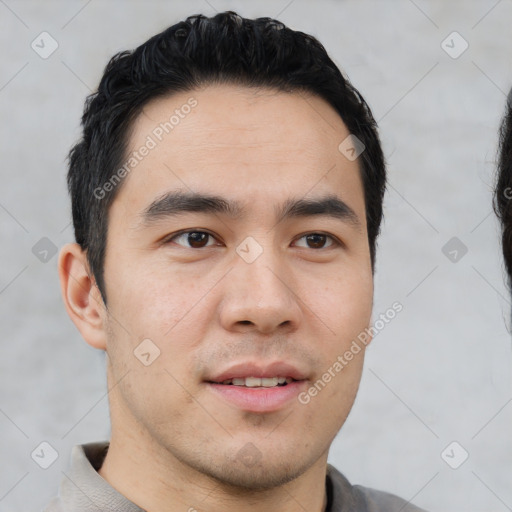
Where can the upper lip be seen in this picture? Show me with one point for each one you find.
(251, 369)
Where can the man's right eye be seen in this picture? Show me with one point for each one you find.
(191, 239)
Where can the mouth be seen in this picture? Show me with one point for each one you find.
(257, 382)
(259, 389)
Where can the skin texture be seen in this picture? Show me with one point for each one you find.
(176, 445)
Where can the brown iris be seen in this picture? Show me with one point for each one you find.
(316, 240)
(197, 239)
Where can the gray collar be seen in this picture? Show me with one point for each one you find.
(83, 489)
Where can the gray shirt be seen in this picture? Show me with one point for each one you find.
(83, 490)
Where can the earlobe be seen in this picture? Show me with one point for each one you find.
(81, 296)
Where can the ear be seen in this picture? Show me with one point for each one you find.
(81, 296)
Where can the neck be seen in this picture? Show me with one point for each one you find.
(148, 475)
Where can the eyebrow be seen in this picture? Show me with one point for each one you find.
(175, 203)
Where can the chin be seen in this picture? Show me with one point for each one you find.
(249, 470)
(257, 478)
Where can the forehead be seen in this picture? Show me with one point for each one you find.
(229, 115)
(238, 142)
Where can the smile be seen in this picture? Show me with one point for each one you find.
(255, 382)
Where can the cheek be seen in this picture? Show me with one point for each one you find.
(154, 395)
(345, 303)
(345, 306)
(170, 310)
(156, 299)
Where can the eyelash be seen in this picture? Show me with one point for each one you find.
(334, 241)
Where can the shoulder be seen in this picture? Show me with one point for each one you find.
(379, 501)
(83, 479)
(348, 497)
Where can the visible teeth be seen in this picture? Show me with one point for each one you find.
(252, 382)
(255, 382)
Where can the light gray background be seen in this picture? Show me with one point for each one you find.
(439, 372)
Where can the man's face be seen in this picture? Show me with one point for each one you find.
(256, 290)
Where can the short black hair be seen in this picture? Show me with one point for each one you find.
(223, 49)
(503, 188)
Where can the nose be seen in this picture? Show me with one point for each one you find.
(259, 296)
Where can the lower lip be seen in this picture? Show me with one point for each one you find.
(259, 399)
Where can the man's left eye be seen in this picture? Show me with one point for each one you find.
(317, 240)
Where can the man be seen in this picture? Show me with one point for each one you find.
(503, 190)
(227, 196)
